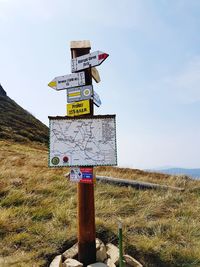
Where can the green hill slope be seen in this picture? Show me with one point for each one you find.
(17, 124)
(38, 212)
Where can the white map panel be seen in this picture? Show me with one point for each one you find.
(82, 141)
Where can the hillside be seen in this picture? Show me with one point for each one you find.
(18, 124)
(38, 212)
(195, 173)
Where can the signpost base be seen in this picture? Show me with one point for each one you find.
(86, 224)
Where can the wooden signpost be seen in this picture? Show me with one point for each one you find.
(80, 125)
(86, 208)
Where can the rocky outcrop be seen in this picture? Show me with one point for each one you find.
(2, 91)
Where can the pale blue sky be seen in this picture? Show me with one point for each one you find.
(150, 80)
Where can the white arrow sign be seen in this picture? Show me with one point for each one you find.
(87, 61)
(79, 93)
(68, 81)
(96, 99)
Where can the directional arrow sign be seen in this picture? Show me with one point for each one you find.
(68, 81)
(79, 93)
(96, 99)
(95, 75)
(87, 61)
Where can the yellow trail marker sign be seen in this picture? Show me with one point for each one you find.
(78, 108)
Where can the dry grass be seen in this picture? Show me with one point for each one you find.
(38, 212)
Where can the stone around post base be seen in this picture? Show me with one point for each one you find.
(109, 263)
(71, 252)
(57, 261)
(72, 263)
(97, 264)
(101, 254)
(130, 261)
(113, 253)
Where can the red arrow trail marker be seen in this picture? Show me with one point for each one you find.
(88, 60)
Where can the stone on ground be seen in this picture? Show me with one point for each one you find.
(98, 243)
(113, 253)
(71, 252)
(101, 254)
(109, 263)
(97, 264)
(57, 261)
(130, 261)
(72, 263)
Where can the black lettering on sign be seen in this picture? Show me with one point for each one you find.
(86, 64)
(77, 105)
(82, 60)
(90, 58)
(63, 81)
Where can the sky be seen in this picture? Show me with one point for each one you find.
(151, 79)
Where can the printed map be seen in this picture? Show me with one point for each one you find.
(82, 141)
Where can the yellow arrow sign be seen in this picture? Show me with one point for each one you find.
(52, 84)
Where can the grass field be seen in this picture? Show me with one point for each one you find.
(38, 212)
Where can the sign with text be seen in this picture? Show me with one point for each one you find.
(82, 141)
(88, 60)
(81, 174)
(68, 81)
(79, 93)
(78, 108)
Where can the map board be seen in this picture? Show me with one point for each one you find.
(85, 141)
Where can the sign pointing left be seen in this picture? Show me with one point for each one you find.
(68, 81)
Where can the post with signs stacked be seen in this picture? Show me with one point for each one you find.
(86, 210)
(82, 140)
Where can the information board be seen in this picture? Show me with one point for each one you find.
(78, 108)
(88, 141)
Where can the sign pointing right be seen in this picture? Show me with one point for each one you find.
(88, 60)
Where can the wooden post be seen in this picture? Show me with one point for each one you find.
(86, 209)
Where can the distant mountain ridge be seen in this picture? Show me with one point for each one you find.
(18, 124)
(194, 173)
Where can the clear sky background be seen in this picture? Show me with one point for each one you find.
(151, 79)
